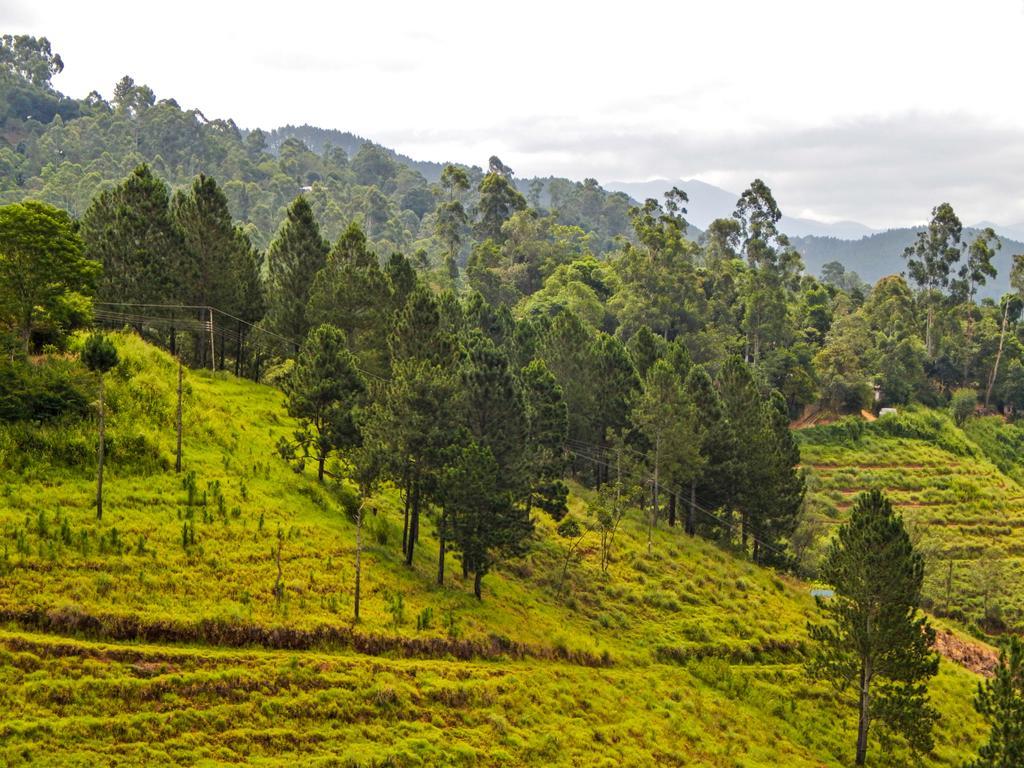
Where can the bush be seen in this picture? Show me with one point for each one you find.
(42, 392)
(962, 405)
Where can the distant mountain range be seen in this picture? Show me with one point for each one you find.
(708, 202)
(870, 253)
(881, 254)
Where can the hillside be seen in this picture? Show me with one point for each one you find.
(121, 640)
(960, 490)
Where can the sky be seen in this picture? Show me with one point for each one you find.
(868, 111)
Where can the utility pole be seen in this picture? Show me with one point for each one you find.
(359, 553)
(177, 459)
(213, 354)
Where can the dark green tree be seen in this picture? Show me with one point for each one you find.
(1000, 701)
(415, 421)
(354, 294)
(488, 524)
(43, 269)
(495, 412)
(452, 222)
(547, 431)
(613, 383)
(323, 390)
(202, 217)
(128, 229)
(29, 58)
(295, 256)
(713, 486)
(973, 274)
(645, 348)
(666, 419)
(773, 270)
(874, 638)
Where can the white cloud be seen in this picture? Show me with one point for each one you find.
(863, 111)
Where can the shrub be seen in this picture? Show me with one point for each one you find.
(42, 392)
(962, 405)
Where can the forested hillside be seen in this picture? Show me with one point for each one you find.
(65, 151)
(259, 397)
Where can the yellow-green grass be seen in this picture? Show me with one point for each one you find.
(686, 595)
(686, 655)
(81, 703)
(962, 507)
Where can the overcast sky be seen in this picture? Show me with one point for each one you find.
(870, 110)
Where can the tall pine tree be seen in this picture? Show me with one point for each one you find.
(1001, 702)
(874, 639)
(129, 230)
(295, 256)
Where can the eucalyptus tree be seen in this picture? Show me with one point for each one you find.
(931, 260)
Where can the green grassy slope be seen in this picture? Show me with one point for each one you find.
(683, 656)
(959, 489)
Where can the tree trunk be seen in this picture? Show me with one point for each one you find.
(213, 352)
(691, 513)
(320, 466)
(414, 522)
(999, 354)
(100, 449)
(865, 714)
(440, 547)
(672, 509)
(177, 455)
(654, 499)
(359, 553)
(405, 524)
(928, 330)
(477, 578)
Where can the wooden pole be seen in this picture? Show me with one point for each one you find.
(238, 351)
(359, 553)
(100, 450)
(177, 459)
(213, 353)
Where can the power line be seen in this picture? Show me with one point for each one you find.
(197, 325)
(730, 524)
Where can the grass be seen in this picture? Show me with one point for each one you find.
(125, 643)
(84, 703)
(959, 489)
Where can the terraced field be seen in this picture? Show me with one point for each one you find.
(77, 703)
(966, 513)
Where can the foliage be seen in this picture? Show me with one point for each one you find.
(1000, 701)
(42, 267)
(873, 639)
